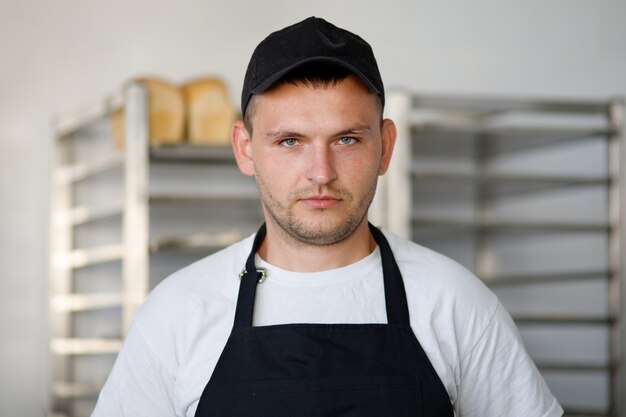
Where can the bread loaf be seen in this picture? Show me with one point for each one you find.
(166, 114)
(210, 114)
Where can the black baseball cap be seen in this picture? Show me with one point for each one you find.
(311, 40)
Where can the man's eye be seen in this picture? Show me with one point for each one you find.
(289, 142)
(347, 140)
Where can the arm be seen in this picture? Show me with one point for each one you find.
(498, 378)
(139, 384)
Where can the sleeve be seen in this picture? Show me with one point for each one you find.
(498, 378)
(139, 384)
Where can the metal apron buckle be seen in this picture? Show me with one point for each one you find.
(262, 271)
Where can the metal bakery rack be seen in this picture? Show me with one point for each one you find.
(529, 195)
(121, 221)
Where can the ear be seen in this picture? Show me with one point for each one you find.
(242, 148)
(388, 134)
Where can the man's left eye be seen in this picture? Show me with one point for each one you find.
(347, 140)
(289, 142)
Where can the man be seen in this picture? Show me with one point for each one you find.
(319, 313)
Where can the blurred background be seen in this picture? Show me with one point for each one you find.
(469, 61)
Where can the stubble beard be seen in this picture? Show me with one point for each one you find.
(313, 234)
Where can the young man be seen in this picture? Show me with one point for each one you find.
(319, 313)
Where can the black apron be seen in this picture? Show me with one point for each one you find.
(329, 370)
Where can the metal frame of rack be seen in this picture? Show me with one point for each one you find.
(472, 117)
(65, 258)
(136, 245)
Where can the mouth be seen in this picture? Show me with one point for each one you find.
(320, 202)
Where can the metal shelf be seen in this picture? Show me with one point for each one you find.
(231, 195)
(504, 183)
(78, 346)
(81, 171)
(85, 302)
(502, 139)
(189, 153)
(76, 390)
(502, 226)
(57, 415)
(499, 105)
(576, 412)
(196, 241)
(546, 278)
(79, 258)
(575, 367)
(564, 320)
(81, 214)
(549, 134)
(66, 124)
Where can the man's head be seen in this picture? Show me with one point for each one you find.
(314, 137)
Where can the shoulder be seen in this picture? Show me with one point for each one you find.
(425, 270)
(212, 274)
(442, 292)
(207, 287)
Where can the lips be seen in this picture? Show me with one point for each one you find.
(320, 202)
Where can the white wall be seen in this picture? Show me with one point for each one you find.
(58, 55)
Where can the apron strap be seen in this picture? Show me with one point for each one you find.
(395, 295)
(247, 287)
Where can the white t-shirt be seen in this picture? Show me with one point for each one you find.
(178, 335)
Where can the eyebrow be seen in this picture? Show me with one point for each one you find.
(281, 134)
(357, 130)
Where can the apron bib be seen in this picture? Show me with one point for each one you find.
(324, 370)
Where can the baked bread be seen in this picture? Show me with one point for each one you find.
(166, 114)
(210, 114)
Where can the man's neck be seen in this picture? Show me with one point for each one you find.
(281, 250)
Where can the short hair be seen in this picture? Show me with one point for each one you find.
(313, 75)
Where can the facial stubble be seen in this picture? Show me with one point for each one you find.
(297, 229)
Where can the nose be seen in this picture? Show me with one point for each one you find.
(321, 170)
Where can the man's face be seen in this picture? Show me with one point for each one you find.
(316, 154)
